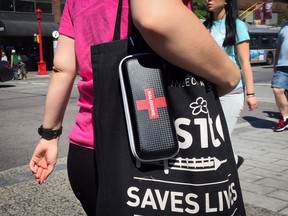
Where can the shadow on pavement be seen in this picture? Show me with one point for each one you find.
(272, 114)
(6, 86)
(258, 122)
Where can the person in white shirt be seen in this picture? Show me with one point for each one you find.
(4, 57)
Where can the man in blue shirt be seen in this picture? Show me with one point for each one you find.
(280, 78)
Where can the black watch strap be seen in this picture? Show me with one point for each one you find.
(49, 133)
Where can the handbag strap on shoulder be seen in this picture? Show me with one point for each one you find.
(117, 28)
(139, 45)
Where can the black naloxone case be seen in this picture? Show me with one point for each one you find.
(151, 129)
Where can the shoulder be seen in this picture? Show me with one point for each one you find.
(284, 28)
(283, 33)
(241, 27)
(242, 31)
(241, 24)
(66, 24)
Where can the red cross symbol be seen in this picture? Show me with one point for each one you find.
(151, 103)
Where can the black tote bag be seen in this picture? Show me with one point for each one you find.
(201, 180)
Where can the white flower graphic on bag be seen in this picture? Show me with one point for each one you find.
(200, 105)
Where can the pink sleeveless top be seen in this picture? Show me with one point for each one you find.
(89, 22)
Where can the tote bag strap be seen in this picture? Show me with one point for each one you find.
(117, 28)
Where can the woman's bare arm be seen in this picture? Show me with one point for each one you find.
(177, 35)
(45, 155)
(61, 83)
(244, 57)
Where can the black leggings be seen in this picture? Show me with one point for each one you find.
(82, 176)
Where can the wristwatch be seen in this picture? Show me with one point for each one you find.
(49, 133)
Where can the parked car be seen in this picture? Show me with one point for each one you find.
(6, 72)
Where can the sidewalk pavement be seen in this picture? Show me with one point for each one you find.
(264, 173)
(263, 176)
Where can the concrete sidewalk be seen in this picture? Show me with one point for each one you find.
(21, 195)
(263, 176)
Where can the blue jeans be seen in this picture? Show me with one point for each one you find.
(280, 78)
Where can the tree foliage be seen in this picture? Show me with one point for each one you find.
(200, 9)
(284, 17)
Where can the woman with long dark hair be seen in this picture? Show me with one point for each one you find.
(232, 35)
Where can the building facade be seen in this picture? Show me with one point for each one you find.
(18, 27)
(279, 7)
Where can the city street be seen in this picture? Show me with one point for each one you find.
(22, 107)
(263, 176)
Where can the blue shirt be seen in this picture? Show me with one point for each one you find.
(282, 41)
(218, 32)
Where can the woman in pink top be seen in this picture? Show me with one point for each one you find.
(90, 22)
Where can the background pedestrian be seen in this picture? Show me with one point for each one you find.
(14, 63)
(23, 70)
(232, 35)
(4, 57)
(279, 82)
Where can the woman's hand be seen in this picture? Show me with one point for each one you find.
(44, 159)
(251, 102)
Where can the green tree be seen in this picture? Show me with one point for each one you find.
(284, 17)
(200, 9)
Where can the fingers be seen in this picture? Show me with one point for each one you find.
(42, 174)
(37, 172)
(33, 166)
(252, 103)
(39, 175)
(252, 107)
(40, 170)
(43, 160)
